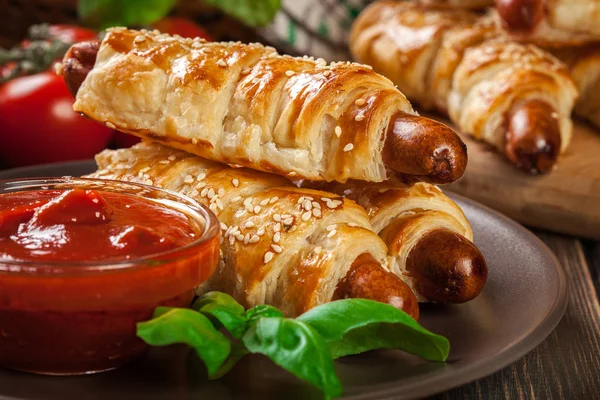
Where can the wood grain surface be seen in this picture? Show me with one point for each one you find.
(567, 364)
(565, 201)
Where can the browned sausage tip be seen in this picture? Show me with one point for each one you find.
(368, 280)
(447, 267)
(533, 136)
(520, 16)
(424, 149)
(78, 62)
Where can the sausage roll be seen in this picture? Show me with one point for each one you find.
(244, 104)
(512, 96)
(555, 23)
(281, 245)
(584, 63)
(428, 237)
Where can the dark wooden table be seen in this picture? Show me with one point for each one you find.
(567, 364)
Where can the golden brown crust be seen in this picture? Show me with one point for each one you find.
(292, 116)
(460, 4)
(454, 60)
(281, 245)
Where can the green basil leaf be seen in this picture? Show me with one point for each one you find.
(182, 325)
(354, 326)
(262, 311)
(254, 13)
(224, 309)
(106, 13)
(296, 347)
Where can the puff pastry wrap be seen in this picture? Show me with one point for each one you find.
(514, 97)
(556, 23)
(281, 245)
(584, 63)
(403, 215)
(247, 105)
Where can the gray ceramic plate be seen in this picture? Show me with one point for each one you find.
(525, 297)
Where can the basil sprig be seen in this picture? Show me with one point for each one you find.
(305, 346)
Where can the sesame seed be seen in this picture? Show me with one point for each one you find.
(254, 239)
(139, 39)
(248, 207)
(221, 63)
(219, 204)
(231, 239)
(264, 202)
(293, 228)
(213, 208)
(285, 216)
(276, 237)
(292, 174)
(194, 141)
(246, 71)
(239, 237)
(318, 250)
(223, 226)
(110, 125)
(289, 73)
(277, 228)
(278, 249)
(268, 256)
(145, 169)
(149, 182)
(172, 158)
(211, 193)
(277, 218)
(306, 216)
(288, 221)
(260, 232)
(300, 200)
(236, 199)
(360, 102)
(348, 147)
(200, 177)
(235, 182)
(353, 225)
(246, 238)
(332, 233)
(338, 131)
(330, 204)
(331, 227)
(164, 162)
(221, 192)
(188, 179)
(273, 199)
(316, 212)
(326, 73)
(307, 205)
(325, 199)
(248, 200)
(359, 117)
(316, 204)
(554, 115)
(257, 209)
(249, 224)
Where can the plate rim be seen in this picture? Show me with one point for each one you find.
(469, 373)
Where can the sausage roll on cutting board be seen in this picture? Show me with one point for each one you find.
(281, 245)
(247, 105)
(512, 96)
(584, 63)
(429, 239)
(555, 23)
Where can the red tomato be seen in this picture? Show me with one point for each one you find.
(182, 27)
(123, 140)
(38, 124)
(71, 33)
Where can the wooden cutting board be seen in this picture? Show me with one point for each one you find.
(565, 201)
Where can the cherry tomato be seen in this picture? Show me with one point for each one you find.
(38, 124)
(71, 33)
(182, 27)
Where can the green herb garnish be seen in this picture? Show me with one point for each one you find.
(305, 346)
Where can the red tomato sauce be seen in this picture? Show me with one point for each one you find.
(73, 318)
(84, 225)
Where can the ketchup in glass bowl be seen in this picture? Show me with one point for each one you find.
(82, 261)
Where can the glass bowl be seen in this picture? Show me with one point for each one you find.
(65, 318)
